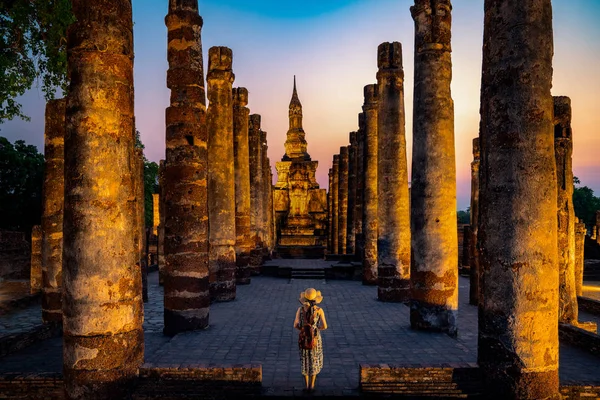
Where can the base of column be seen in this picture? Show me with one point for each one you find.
(391, 288)
(98, 384)
(52, 306)
(256, 260)
(102, 367)
(243, 269)
(509, 382)
(434, 318)
(392, 294)
(222, 263)
(182, 321)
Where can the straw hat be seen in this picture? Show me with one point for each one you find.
(311, 294)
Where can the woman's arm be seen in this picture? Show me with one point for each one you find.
(297, 319)
(323, 320)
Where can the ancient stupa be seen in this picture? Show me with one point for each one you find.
(300, 206)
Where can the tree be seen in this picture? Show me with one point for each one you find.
(21, 179)
(464, 217)
(150, 181)
(32, 46)
(585, 203)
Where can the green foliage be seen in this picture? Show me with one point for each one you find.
(150, 186)
(150, 181)
(21, 179)
(585, 203)
(464, 217)
(32, 46)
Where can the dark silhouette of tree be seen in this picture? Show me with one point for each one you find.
(21, 178)
(150, 181)
(32, 46)
(585, 203)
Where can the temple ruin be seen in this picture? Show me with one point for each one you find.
(300, 205)
(219, 222)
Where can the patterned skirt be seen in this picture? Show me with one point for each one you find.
(312, 360)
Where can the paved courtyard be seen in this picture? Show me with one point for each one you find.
(257, 328)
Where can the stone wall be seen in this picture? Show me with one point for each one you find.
(14, 255)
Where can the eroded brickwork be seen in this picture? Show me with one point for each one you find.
(221, 177)
(518, 309)
(371, 95)
(393, 242)
(243, 243)
(563, 151)
(52, 215)
(186, 277)
(434, 242)
(103, 341)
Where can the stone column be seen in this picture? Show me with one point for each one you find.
(342, 200)
(474, 276)
(256, 180)
(563, 151)
(518, 309)
(221, 177)
(187, 296)
(360, 187)
(580, 232)
(36, 259)
(155, 213)
(103, 340)
(243, 243)
(330, 214)
(269, 205)
(351, 233)
(336, 203)
(265, 189)
(371, 95)
(393, 243)
(597, 227)
(161, 227)
(140, 219)
(52, 216)
(434, 242)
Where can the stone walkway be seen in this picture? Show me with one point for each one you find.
(257, 328)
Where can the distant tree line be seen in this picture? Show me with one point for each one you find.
(21, 179)
(584, 203)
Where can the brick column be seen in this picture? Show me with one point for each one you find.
(351, 233)
(434, 242)
(103, 339)
(518, 311)
(343, 200)
(580, 232)
(243, 243)
(256, 180)
(52, 216)
(563, 151)
(360, 187)
(161, 227)
(221, 177)
(393, 243)
(335, 203)
(371, 94)
(186, 277)
(35, 280)
(474, 276)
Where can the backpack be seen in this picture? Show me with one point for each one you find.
(307, 339)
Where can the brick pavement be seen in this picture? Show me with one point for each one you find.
(257, 328)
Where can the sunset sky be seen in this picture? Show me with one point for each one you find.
(331, 47)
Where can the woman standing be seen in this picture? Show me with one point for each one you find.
(309, 314)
